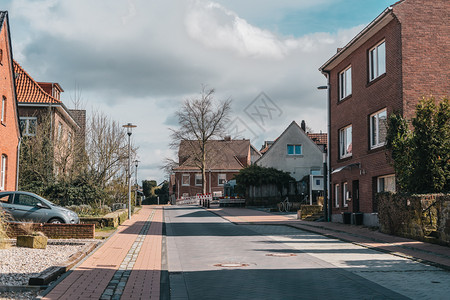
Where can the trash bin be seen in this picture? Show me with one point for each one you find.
(359, 218)
(347, 217)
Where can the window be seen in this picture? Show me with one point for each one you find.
(378, 129)
(386, 183)
(222, 179)
(345, 142)
(22, 199)
(345, 83)
(3, 112)
(185, 180)
(336, 195)
(294, 149)
(5, 198)
(345, 194)
(198, 179)
(28, 126)
(377, 61)
(3, 172)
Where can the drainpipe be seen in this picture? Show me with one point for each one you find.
(17, 165)
(328, 144)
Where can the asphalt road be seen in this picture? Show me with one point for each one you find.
(211, 258)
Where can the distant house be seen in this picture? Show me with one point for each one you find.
(40, 102)
(399, 57)
(9, 120)
(294, 152)
(225, 159)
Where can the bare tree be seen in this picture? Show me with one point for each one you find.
(200, 121)
(106, 148)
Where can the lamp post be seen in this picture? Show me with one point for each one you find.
(136, 181)
(129, 128)
(326, 159)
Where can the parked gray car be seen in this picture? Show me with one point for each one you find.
(25, 206)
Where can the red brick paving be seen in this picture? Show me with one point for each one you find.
(421, 251)
(89, 280)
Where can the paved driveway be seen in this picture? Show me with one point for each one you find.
(211, 258)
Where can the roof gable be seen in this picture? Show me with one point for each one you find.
(293, 127)
(28, 90)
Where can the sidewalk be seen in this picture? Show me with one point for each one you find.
(423, 252)
(126, 266)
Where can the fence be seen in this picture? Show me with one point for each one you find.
(194, 200)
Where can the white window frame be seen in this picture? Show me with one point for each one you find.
(343, 142)
(392, 176)
(377, 61)
(294, 146)
(337, 194)
(345, 83)
(3, 112)
(375, 125)
(3, 162)
(183, 176)
(26, 129)
(222, 177)
(345, 194)
(198, 176)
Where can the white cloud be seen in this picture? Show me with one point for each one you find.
(137, 60)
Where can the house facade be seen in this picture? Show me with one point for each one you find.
(225, 159)
(398, 58)
(294, 152)
(9, 122)
(39, 105)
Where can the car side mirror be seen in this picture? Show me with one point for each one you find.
(40, 205)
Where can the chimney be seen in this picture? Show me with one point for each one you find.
(303, 125)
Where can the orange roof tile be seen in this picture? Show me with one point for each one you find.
(318, 138)
(28, 90)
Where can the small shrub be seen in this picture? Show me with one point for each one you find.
(3, 229)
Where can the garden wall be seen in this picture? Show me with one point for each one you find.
(421, 217)
(113, 219)
(53, 231)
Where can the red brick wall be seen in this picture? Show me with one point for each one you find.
(192, 189)
(56, 231)
(9, 131)
(366, 98)
(425, 48)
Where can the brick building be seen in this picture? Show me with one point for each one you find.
(225, 159)
(399, 57)
(39, 103)
(9, 122)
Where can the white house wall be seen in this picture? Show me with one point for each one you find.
(297, 165)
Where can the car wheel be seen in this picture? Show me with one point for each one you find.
(56, 221)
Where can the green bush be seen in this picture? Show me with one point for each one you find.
(421, 156)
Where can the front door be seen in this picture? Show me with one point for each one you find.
(355, 193)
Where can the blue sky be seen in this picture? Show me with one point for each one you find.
(137, 60)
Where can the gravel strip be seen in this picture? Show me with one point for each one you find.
(18, 264)
(18, 295)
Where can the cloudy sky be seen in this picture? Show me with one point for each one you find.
(137, 60)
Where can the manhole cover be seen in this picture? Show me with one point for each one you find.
(231, 265)
(281, 254)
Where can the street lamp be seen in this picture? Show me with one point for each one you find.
(129, 128)
(136, 181)
(326, 159)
